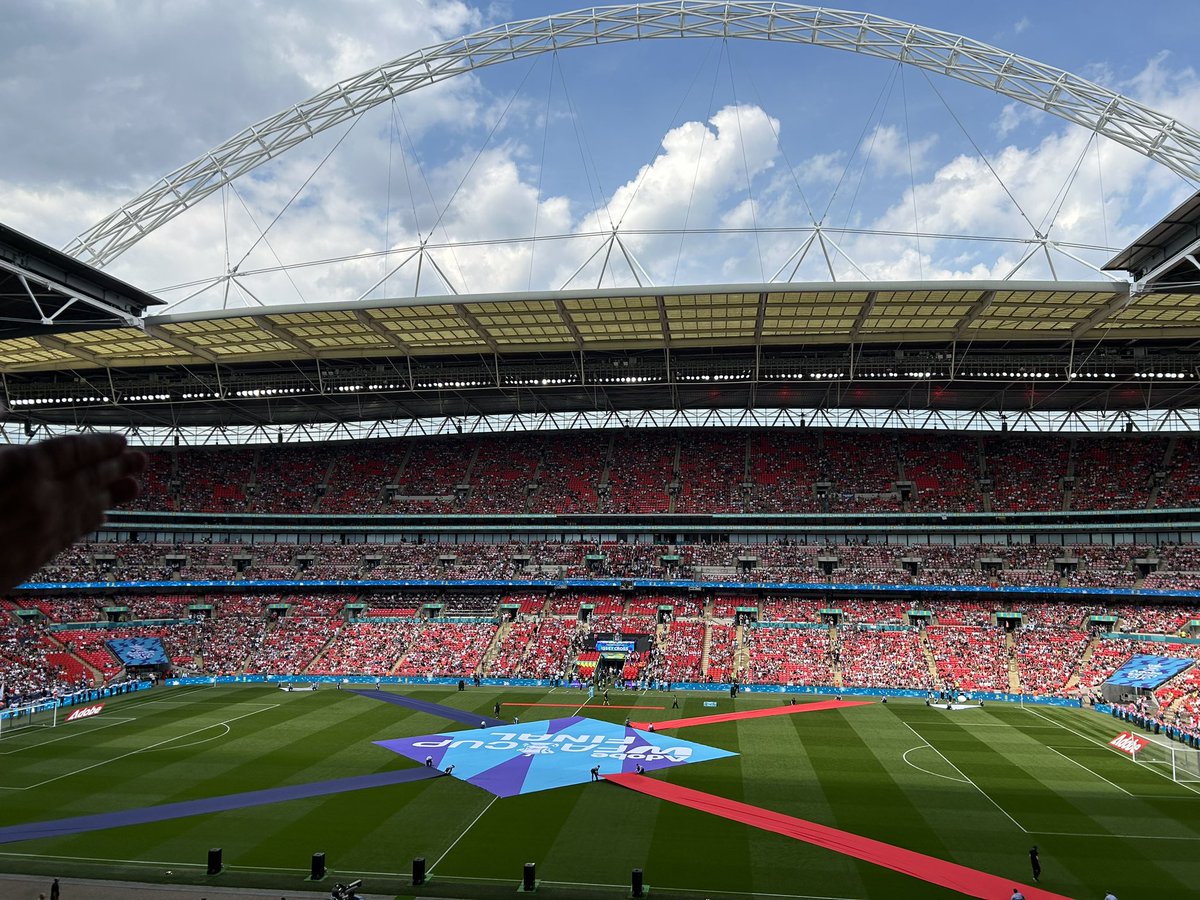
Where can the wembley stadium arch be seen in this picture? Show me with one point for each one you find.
(1045, 355)
(1155, 135)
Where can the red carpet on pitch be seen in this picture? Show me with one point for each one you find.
(970, 882)
(750, 714)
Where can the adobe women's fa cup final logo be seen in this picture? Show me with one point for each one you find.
(510, 760)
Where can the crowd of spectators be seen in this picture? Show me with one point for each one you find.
(789, 656)
(569, 474)
(712, 469)
(31, 666)
(678, 656)
(1047, 657)
(784, 469)
(1181, 490)
(502, 473)
(431, 471)
(722, 649)
(286, 478)
(447, 649)
(862, 473)
(640, 471)
(365, 648)
(943, 470)
(1116, 472)
(970, 658)
(871, 658)
(357, 480)
(872, 646)
(704, 470)
(1118, 567)
(293, 638)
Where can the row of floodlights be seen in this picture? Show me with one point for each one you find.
(268, 392)
(1010, 374)
(546, 382)
(51, 401)
(535, 382)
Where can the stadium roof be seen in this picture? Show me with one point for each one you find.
(43, 292)
(685, 317)
(969, 346)
(1166, 257)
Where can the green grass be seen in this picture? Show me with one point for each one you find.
(977, 787)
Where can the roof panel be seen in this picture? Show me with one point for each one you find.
(824, 313)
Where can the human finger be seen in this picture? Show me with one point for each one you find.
(123, 490)
(77, 451)
(103, 475)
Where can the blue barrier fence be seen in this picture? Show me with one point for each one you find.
(89, 696)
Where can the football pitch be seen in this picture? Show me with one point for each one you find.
(977, 787)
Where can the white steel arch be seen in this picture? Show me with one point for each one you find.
(1152, 134)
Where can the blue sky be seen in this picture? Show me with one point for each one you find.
(721, 137)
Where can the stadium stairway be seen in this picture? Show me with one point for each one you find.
(395, 479)
(73, 667)
(1014, 673)
(70, 662)
(706, 647)
(1165, 466)
(494, 647)
(741, 654)
(1070, 476)
(602, 484)
(923, 640)
(399, 662)
(981, 462)
(320, 654)
(1084, 659)
(323, 486)
(836, 662)
(534, 482)
(466, 477)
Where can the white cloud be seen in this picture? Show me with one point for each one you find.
(55, 187)
(1012, 116)
(964, 197)
(112, 95)
(1022, 25)
(701, 169)
(891, 153)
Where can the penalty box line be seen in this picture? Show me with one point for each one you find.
(1105, 746)
(100, 725)
(105, 762)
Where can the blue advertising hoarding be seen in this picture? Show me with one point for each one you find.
(139, 651)
(1149, 672)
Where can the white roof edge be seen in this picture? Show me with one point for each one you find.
(1102, 286)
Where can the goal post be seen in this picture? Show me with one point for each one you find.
(1181, 762)
(41, 714)
(1185, 764)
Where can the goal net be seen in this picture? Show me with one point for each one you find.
(43, 714)
(1180, 762)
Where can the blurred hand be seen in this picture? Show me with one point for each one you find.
(55, 492)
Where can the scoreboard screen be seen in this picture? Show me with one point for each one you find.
(616, 646)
